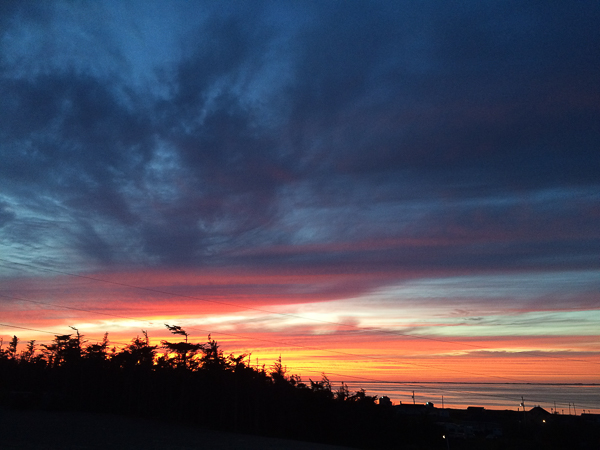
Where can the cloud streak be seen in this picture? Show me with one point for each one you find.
(411, 158)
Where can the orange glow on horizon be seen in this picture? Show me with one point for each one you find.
(365, 356)
(275, 314)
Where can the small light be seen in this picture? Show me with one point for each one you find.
(544, 420)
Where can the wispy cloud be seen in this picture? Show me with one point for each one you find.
(431, 168)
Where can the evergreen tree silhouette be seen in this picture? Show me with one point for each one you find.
(12, 348)
(55, 353)
(27, 355)
(97, 352)
(138, 353)
(185, 352)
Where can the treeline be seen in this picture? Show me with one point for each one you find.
(196, 383)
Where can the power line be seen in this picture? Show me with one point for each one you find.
(29, 329)
(320, 370)
(356, 327)
(48, 332)
(21, 299)
(371, 357)
(249, 308)
(191, 328)
(271, 341)
(364, 379)
(261, 310)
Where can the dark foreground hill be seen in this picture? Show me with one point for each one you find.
(44, 430)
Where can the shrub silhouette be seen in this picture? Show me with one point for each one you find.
(192, 383)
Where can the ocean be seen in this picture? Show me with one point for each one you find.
(565, 398)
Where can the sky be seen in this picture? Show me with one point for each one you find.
(375, 190)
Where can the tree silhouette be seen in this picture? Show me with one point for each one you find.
(343, 393)
(278, 371)
(97, 352)
(11, 352)
(28, 354)
(12, 348)
(197, 384)
(322, 388)
(184, 351)
(55, 353)
(175, 329)
(362, 397)
(212, 356)
(138, 353)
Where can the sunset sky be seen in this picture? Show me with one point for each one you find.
(377, 190)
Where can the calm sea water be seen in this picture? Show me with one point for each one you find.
(566, 398)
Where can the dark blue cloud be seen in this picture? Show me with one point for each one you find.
(6, 214)
(212, 135)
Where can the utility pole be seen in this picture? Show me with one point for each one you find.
(574, 412)
(442, 402)
(413, 396)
